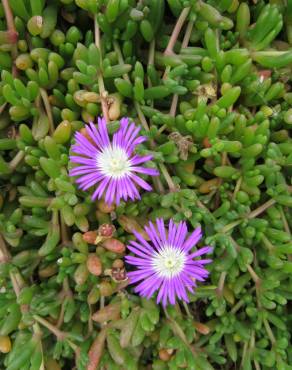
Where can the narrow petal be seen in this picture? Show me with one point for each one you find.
(199, 252)
(193, 239)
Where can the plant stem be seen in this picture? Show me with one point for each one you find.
(238, 305)
(4, 253)
(221, 283)
(269, 331)
(184, 44)
(17, 284)
(58, 333)
(237, 187)
(285, 222)
(267, 243)
(261, 209)
(165, 312)
(186, 307)
(16, 160)
(11, 27)
(120, 59)
(253, 275)
(168, 179)
(151, 58)
(64, 232)
(176, 31)
(230, 226)
(241, 302)
(173, 106)
(47, 105)
(102, 91)
(61, 315)
(8, 15)
(141, 116)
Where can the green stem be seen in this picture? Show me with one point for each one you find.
(267, 243)
(269, 331)
(230, 226)
(58, 333)
(168, 179)
(47, 105)
(285, 222)
(221, 283)
(166, 313)
(261, 209)
(253, 275)
(141, 116)
(16, 160)
(241, 302)
(237, 187)
(186, 307)
(120, 59)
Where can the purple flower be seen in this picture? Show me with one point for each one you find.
(111, 165)
(166, 264)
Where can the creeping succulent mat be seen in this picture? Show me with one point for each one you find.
(145, 184)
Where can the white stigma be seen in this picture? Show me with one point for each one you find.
(169, 261)
(114, 162)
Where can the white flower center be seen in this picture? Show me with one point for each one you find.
(113, 162)
(169, 262)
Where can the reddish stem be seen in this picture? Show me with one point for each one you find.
(12, 29)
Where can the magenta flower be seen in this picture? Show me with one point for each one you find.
(167, 264)
(111, 165)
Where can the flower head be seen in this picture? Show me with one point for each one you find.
(166, 264)
(111, 165)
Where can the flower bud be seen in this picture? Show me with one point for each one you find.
(165, 354)
(90, 237)
(106, 230)
(114, 245)
(201, 328)
(94, 264)
(118, 263)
